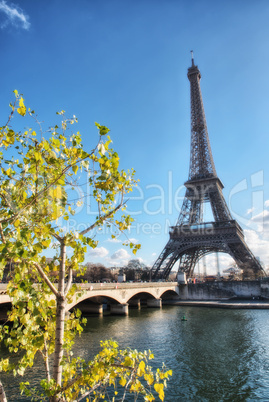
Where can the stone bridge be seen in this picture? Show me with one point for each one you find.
(119, 296)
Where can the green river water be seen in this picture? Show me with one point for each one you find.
(216, 355)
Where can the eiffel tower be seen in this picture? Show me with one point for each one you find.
(192, 238)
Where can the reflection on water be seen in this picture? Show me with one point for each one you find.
(216, 355)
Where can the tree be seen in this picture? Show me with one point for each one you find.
(135, 264)
(39, 172)
(136, 270)
(94, 273)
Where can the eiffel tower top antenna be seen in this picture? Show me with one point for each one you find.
(192, 60)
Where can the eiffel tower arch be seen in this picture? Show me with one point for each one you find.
(192, 238)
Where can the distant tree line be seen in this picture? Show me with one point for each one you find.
(135, 270)
(96, 272)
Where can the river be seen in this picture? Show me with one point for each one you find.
(216, 355)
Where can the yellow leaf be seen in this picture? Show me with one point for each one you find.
(128, 361)
(149, 378)
(17, 223)
(159, 388)
(75, 168)
(9, 171)
(22, 108)
(46, 243)
(122, 381)
(57, 192)
(37, 156)
(141, 368)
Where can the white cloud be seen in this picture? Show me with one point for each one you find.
(120, 258)
(258, 244)
(120, 254)
(250, 210)
(225, 261)
(115, 240)
(264, 215)
(133, 241)
(260, 221)
(14, 16)
(266, 203)
(99, 252)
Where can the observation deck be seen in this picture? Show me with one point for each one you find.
(208, 228)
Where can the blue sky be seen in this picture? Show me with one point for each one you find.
(123, 63)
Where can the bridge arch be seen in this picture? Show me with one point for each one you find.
(169, 294)
(142, 295)
(94, 299)
(122, 293)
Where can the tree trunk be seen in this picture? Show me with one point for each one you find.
(2, 393)
(60, 321)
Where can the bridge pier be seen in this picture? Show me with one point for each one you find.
(183, 291)
(135, 303)
(157, 303)
(119, 309)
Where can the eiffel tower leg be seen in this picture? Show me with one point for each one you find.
(194, 259)
(169, 256)
(218, 204)
(156, 268)
(186, 263)
(246, 260)
(165, 262)
(189, 259)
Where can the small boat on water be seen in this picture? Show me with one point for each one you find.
(183, 318)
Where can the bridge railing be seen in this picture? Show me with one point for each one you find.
(125, 285)
(111, 285)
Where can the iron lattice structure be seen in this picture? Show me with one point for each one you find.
(192, 238)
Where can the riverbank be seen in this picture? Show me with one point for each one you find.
(244, 304)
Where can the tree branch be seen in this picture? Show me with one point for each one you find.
(2, 234)
(46, 360)
(2, 393)
(46, 279)
(57, 237)
(78, 378)
(103, 218)
(38, 195)
(6, 200)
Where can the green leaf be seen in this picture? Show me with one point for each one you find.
(75, 168)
